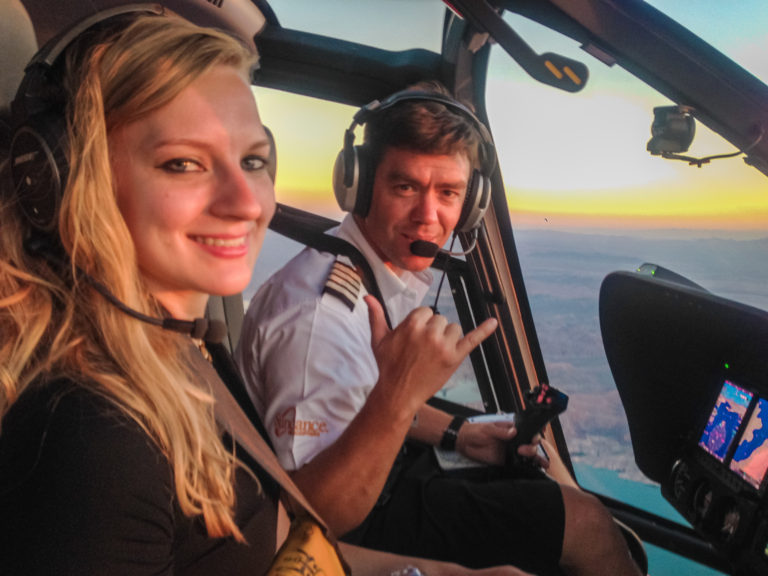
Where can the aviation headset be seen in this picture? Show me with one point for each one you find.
(353, 172)
(38, 155)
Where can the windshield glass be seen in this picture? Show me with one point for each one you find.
(584, 195)
(399, 24)
(737, 29)
(587, 199)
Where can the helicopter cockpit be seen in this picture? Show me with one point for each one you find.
(687, 367)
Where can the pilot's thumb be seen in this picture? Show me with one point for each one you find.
(378, 321)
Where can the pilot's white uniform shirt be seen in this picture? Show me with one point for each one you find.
(306, 357)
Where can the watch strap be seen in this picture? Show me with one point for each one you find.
(451, 433)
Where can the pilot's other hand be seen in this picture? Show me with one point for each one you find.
(557, 469)
(417, 358)
(485, 441)
(533, 453)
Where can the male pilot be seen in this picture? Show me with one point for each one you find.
(338, 403)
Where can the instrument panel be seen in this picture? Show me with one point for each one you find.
(691, 369)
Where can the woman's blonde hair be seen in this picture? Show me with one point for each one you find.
(53, 324)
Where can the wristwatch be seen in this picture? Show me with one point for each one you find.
(451, 433)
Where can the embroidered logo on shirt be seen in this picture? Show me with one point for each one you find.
(343, 283)
(286, 423)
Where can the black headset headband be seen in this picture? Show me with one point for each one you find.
(53, 48)
(38, 152)
(47, 57)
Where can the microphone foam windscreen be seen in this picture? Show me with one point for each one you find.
(424, 249)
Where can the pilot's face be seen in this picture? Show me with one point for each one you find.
(415, 197)
(193, 188)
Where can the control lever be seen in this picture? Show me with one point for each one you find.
(544, 403)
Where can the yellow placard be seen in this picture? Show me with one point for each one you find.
(306, 552)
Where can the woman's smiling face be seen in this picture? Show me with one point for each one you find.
(193, 187)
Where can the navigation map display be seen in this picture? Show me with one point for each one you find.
(750, 460)
(725, 419)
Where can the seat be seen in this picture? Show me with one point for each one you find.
(303, 227)
(17, 46)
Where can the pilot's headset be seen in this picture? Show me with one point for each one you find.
(39, 150)
(353, 172)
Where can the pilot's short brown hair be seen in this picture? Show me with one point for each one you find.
(423, 125)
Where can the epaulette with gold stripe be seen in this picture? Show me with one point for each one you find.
(343, 283)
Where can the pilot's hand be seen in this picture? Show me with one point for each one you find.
(417, 358)
(485, 441)
(557, 469)
(532, 453)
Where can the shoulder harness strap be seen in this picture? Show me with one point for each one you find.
(290, 222)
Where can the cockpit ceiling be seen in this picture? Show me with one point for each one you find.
(241, 17)
(641, 39)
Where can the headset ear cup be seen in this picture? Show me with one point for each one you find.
(364, 191)
(475, 203)
(351, 180)
(345, 192)
(39, 169)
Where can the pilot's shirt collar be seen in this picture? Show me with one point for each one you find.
(401, 293)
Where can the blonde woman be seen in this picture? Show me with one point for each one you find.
(111, 459)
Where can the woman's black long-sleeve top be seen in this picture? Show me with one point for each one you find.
(83, 490)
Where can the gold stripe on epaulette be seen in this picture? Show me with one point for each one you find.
(343, 283)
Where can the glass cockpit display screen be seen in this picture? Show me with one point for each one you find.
(750, 460)
(725, 419)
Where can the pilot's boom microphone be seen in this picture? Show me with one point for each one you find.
(427, 249)
(424, 248)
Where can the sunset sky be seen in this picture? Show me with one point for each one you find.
(567, 160)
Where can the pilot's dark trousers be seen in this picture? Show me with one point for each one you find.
(478, 518)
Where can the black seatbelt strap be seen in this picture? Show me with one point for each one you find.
(313, 234)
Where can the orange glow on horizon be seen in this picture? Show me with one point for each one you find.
(608, 221)
(595, 213)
